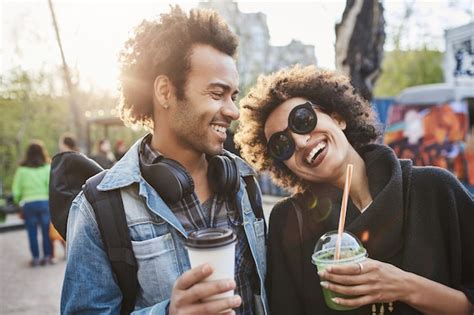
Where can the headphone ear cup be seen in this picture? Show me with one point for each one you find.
(234, 178)
(223, 175)
(169, 179)
(183, 179)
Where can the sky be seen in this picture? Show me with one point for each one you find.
(93, 31)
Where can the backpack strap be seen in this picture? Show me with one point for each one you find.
(255, 198)
(112, 223)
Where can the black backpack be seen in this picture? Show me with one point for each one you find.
(69, 172)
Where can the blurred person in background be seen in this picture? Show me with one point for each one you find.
(67, 142)
(104, 155)
(120, 149)
(304, 126)
(30, 190)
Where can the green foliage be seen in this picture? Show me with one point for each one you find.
(31, 109)
(26, 115)
(402, 69)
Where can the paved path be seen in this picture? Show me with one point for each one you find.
(31, 291)
(25, 290)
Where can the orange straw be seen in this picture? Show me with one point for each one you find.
(342, 215)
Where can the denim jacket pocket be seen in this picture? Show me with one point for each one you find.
(259, 228)
(145, 229)
(157, 268)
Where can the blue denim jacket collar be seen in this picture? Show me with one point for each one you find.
(125, 172)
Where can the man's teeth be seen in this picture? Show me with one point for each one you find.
(219, 129)
(315, 152)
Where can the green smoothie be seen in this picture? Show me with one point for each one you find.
(325, 258)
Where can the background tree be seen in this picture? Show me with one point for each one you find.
(407, 67)
(76, 122)
(402, 69)
(29, 111)
(360, 38)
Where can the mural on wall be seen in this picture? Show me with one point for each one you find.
(430, 135)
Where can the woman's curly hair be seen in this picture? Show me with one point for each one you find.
(331, 92)
(163, 47)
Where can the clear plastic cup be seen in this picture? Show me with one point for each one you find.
(352, 252)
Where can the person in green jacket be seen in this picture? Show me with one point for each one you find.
(30, 190)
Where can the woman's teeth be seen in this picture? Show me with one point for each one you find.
(315, 152)
(219, 129)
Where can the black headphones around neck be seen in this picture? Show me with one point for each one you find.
(172, 182)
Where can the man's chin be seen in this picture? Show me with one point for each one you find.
(216, 150)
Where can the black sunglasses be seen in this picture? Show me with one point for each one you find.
(302, 120)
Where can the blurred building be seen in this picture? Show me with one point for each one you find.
(255, 54)
(459, 56)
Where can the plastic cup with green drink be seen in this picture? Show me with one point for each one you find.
(351, 252)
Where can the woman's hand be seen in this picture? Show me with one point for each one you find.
(369, 281)
(372, 281)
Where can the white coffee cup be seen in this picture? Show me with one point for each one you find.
(216, 247)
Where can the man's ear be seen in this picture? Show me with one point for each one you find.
(162, 91)
(339, 121)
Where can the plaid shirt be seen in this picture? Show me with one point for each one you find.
(218, 211)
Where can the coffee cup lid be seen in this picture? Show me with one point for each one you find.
(210, 238)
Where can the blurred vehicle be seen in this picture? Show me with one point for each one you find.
(433, 125)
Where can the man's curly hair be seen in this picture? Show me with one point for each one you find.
(164, 47)
(332, 93)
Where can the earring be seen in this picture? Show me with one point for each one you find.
(342, 124)
(165, 106)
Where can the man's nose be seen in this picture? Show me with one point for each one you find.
(230, 110)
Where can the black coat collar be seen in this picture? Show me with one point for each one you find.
(380, 227)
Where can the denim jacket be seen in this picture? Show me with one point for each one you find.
(158, 242)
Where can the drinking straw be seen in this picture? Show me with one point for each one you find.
(342, 215)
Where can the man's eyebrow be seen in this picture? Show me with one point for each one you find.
(223, 86)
